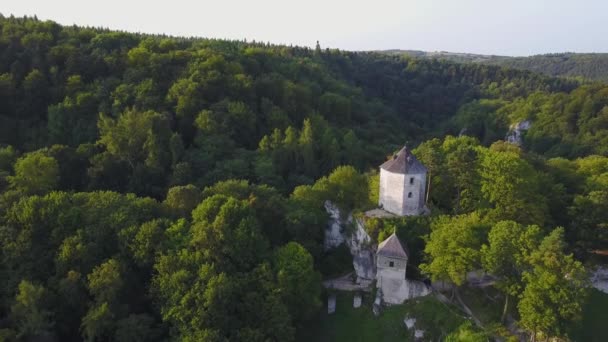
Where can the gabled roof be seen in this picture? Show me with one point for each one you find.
(404, 162)
(392, 247)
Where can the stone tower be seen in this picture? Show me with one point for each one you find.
(403, 184)
(391, 264)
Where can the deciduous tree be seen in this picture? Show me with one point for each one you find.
(35, 173)
(555, 289)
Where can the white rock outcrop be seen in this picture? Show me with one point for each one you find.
(514, 136)
(334, 236)
(417, 289)
(599, 279)
(409, 322)
(352, 232)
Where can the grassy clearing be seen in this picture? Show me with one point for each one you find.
(487, 304)
(351, 325)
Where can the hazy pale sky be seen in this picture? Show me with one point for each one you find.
(505, 27)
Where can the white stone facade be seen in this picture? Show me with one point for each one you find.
(402, 194)
(396, 289)
(391, 279)
(391, 266)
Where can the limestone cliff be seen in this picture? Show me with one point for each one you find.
(515, 134)
(352, 232)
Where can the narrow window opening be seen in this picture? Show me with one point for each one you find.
(391, 264)
(409, 195)
(412, 180)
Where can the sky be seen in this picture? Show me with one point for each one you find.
(505, 27)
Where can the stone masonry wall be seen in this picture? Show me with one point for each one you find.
(402, 194)
(384, 261)
(414, 205)
(391, 192)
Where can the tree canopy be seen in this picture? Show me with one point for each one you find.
(165, 188)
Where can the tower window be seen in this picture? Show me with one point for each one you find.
(391, 264)
(409, 195)
(411, 180)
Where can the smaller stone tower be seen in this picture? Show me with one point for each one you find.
(391, 264)
(403, 184)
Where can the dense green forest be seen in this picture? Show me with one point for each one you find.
(583, 66)
(156, 188)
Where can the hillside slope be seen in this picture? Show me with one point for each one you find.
(219, 99)
(590, 66)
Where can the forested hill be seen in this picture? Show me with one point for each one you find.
(217, 102)
(589, 66)
(157, 188)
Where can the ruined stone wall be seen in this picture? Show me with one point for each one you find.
(395, 289)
